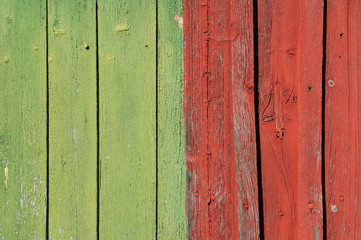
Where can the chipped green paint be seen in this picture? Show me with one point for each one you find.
(127, 89)
(171, 164)
(22, 119)
(72, 120)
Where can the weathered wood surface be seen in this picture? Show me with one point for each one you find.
(23, 146)
(108, 76)
(171, 166)
(222, 198)
(342, 120)
(72, 120)
(290, 114)
(127, 95)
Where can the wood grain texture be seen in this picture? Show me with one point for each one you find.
(244, 118)
(222, 194)
(23, 120)
(342, 119)
(72, 120)
(127, 81)
(171, 165)
(290, 88)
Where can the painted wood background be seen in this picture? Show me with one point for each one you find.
(171, 119)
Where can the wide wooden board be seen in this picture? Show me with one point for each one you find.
(72, 120)
(222, 195)
(290, 115)
(23, 131)
(127, 127)
(342, 119)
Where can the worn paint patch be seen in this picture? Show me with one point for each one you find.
(179, 19)
(6, 172)
(334, 208)
(60, 32)
(189, 203)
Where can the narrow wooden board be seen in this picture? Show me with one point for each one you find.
(72, 120)
(290, 113)
(23, 155)
(342, 120)
(127, 84)
(171, 164)
(242, 37)
(222, 195)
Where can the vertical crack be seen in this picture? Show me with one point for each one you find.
(156, 117)
(257, 123)
(324, 208)
(98, 118)
(47, 119)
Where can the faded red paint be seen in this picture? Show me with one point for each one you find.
(342, 119)
(222, 199)
(290, 108)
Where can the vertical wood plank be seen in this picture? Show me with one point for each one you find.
(23, 120)
(342, 119)
(244, 118)
(127, 58)
(171, 165)
(290, 88)
(195, 113)
(72, 120)
(222, 195)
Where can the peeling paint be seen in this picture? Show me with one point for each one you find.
(6, 172)
(334, 208)
(179, 19)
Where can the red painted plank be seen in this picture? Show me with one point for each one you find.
(219, 113)
(342, 119)
(244, 118)
(290, 88)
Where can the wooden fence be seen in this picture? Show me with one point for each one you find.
(104, 136)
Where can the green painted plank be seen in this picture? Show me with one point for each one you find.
(127, 85)
(171, 163)
(23, 119)
(72, 120)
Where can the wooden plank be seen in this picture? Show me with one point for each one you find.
(72, 120)
(171, 165)
(127, 58)
(244, 118)
(23, 129)
(342, 120)
(290, 113)
(222, 195)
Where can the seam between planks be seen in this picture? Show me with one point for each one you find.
(257, 123)
(323, 115)
(156, 116)
(47, 119)
(98, 120)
